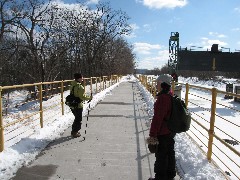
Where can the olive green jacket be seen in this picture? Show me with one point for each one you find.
(79, 91)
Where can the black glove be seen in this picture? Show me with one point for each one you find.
(153, 148)
(152, 144)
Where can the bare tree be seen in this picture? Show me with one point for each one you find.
(9, 15)
(105, 25)
(35, 31)
(49, 42)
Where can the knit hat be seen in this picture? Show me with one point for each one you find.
(165, 78)
(77, 75)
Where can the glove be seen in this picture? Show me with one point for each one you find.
(152, 144)
(152, 140)
(90, 99)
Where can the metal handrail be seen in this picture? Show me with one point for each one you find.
(60, 87)
(146, 81)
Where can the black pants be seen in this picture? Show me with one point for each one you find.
(76, 126)
(165, 163)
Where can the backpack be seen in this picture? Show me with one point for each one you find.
(71, 100)
(180, 118)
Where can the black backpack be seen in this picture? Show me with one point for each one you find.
(180, 118)
(71, 100)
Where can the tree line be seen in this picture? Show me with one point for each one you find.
(44, 41)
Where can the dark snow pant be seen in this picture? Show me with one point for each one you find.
(164, 166)
(76, 126)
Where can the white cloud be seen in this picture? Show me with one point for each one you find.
(159, 4)
(164, 55)
(61, 4)
(156, 61)
(237, 9)
(149, 63)
(236, 29)
(207, 43)
(216, 34)
(222, 36)
(150, 55)
(134, 27)
(92, 1)
(145, 48)
(147, 27)
(175, 20)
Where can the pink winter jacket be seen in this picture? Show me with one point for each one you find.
(162, 110)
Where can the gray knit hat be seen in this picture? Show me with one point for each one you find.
(165, 78)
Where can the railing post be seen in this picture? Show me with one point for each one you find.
(111, 80)
(105, 83)
(100, 84)
(62, 101)
(152, 85)
(145, 81)
(91, 84)
(186, 94)
(173, 87)
(1, 124)
(155, 89)
(84, 83)
(149, 83)
(212, 121)
(96, 85)
(41, 104)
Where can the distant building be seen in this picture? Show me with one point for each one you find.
(213, 60)
(141, 71)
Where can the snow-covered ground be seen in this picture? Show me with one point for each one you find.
(20, 151)
(226, 125)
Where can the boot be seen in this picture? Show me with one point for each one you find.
(75, 134)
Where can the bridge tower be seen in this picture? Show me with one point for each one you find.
(173, 52)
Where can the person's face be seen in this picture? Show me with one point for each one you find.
(80, 79)
(159, 86)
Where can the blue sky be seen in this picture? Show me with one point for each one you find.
(200, 23)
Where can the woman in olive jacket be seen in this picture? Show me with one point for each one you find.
(79, 91)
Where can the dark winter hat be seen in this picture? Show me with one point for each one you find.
(77, 75)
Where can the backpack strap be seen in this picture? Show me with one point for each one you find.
(171, 97)
(72, 91)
